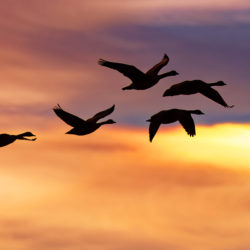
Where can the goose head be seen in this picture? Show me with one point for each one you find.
(197, 112)
(220, 83)
(28, 134)
(173, 73)
(110, 121)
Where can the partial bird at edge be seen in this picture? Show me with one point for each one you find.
(6, 139)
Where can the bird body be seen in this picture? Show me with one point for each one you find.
(88, 127)
(84, 129)
(140, 80)
(198, 86)
(170, 116)
(80, 126)
(145, 82)
(6, 139)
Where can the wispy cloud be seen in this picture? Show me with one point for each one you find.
(93, 14)
(49, 54)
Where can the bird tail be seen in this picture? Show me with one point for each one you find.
(229, 106)
(128, 87)
(196, 111)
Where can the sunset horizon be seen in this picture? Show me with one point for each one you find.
(111, 188)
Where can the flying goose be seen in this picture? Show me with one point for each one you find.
(170, 116)
(6, 139)
(80, 126)
(140, 80)
(198, 86)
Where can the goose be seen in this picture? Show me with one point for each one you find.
(140, 80)
(80, 126)
(198, 86)
(6, 139)
(170, 116)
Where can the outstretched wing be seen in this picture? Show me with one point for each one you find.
(102, 114)
(187, 123)
(129, 71)
(153, 128)
(214, 95)
(155, 69)
(70, 119)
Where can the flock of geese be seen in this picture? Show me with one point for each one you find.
(140, 81)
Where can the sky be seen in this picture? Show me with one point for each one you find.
(113, 190)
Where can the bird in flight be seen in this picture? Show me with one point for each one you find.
(170, 116)
(140, 80)
(6, 139)
(198, 86)
(80, 126)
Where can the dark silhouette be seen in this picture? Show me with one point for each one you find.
(80, 126)
(170, 116)
(6, 139)
(140, 80)
(198, 86)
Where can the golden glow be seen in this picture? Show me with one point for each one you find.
(127, 185)
(115, 182)
(226, 145)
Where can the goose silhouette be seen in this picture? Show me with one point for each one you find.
(140, 80)
(6, 139)
(80, 126)
(198, 86)
(170, 116)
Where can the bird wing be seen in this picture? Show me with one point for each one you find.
(70, 119)
(187, 123)
(102, 114)
(214, 95)
(153, 128)
(156, 68)
(129, 71)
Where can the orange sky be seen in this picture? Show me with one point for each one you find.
(113, 190)
(95, 193)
